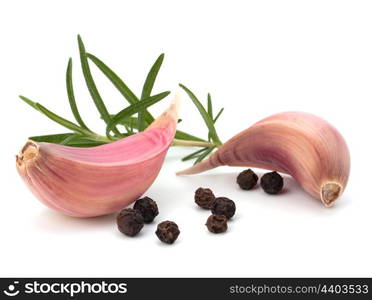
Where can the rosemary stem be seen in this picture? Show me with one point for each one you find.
(187, 143)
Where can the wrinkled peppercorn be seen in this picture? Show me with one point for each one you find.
(130, 221)
(204, 198)
(224, 206)
(167, 232)
(148, 209)
(247, 179)
(272, 183)
(217, 223)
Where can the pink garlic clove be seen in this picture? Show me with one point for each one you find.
(302, 145)
(87, 182)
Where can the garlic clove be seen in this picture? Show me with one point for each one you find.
(87, 182)
(302, 145)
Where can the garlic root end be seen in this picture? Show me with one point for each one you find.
(27, 154)
(330, 192)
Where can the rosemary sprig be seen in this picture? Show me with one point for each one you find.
(134, 118)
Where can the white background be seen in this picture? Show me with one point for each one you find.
(256, 58)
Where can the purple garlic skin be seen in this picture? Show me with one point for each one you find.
(300, 144)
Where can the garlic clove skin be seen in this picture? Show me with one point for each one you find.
(88, 182)
(300, 144)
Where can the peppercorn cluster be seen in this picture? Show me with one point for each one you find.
(271, 183)
(222, 209)
(130, 221)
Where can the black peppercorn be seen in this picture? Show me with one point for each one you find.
(224, 206)
(217, 223)
(272, 183)
(148, 209)
(167, 232)
(204, 198)
(247, 179)
(130, 221)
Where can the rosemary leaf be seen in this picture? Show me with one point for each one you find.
(151, 77)
(70, 138)
(84, 143)
(207, 119)
(28, 101)
(147, 88)
(204, 155)
(134, 108)
(141, 121)
(66, 123)
(77, 140)
(194, 154)
(51, 138)
(71, 96)
(56, 118)
(181, 135)
(218, 115)
(92, 86)
(210, 108)
(210, 112)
